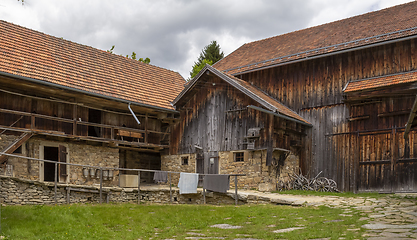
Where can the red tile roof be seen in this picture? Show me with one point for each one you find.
(378, 82)
(28, 53)
(387, 24)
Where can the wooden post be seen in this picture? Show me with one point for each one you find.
(170, 189)
(32, 121)
(56, 179)
(74, 117)
(356, 164)
(204, 192)
(68, 195)
(101, 184)
(236, 190)
(146, 128)
(394, 156)
(139, 187)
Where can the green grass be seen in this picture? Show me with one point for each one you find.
(341, 194)
(130, 221)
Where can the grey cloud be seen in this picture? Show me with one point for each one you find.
(172, 33)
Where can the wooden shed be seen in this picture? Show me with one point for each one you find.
(231, 126)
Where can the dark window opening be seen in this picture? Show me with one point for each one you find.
(18, 150)
(239, 156)
(184, 160)
(50, 153)
(94, 116)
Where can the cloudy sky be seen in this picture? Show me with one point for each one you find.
(172, 33)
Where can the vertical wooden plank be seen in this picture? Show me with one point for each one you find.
(146, 128)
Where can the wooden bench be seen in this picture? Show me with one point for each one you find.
(124, 133)
(69, 189)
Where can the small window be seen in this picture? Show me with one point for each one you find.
(184, 160)
(239, 156)
(18, 150)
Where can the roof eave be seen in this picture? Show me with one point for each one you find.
(37, 81)
(326, 54)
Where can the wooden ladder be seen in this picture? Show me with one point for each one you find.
(15, 145)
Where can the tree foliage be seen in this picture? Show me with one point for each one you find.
(133, 56)
(197, 68)
(209, 55)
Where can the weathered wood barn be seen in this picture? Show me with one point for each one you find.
(335, 97)
(67, 102)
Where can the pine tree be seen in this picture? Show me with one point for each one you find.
(209, 55)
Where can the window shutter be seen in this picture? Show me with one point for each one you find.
(62, 158)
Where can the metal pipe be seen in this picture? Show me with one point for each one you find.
(55, 180)
(101, 184)
(131, 111)
(236, 190)
(280, 115)
(139, 187)
(170, 189)
(204, 192)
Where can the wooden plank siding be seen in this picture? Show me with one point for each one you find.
(314, 89)
(216, 118)
(70, 119)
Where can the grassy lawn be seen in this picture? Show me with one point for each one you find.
(130, 221)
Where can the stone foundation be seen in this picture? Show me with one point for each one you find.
(16, 191)
(258, 175)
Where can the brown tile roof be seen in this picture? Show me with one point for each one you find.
(39, 56)
(387, 24)
(251, 91)
(378, 82)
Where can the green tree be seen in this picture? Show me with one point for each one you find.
(209, 55)
(133, 56)
(197, 68)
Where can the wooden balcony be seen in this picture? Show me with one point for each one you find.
(77, 129)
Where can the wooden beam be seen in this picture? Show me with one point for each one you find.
(357, 118)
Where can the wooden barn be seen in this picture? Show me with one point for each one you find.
(338, 98)
(68, 102)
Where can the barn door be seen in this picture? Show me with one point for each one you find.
(200, 168)
(376, 157)
(213, 163)
(387, 162)
(406, 165)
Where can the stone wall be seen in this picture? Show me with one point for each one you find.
(78, 153)
(174, 163)
(258, 175)
(15, 191)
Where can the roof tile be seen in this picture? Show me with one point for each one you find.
(390, 23)
(36, 55)
(378, 82)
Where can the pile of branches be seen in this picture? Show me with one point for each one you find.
(300, 182)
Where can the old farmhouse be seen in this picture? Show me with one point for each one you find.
(338, 100)
(335, 99)
(67, 102)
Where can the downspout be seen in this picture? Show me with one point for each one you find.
(133, 114)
